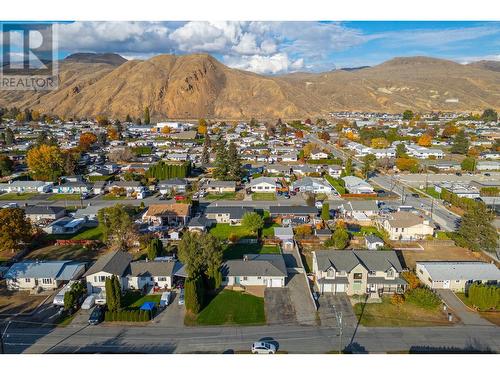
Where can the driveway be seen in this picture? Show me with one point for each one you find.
(466, 315)
(342, 304)
(303, 304)
(278, 306)
(172, 315)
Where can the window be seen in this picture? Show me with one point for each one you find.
(330, 273)
(259, 277)
(99, 279)
(390, 273)
(245, 278)
(27, 280)
(224, 278)
(358, 276)
(372, 273)
(162, 278)
(46, 281)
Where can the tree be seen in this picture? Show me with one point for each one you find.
(72, 296)
(212, 254)
(325, 211)
(252, 221)
(412, 279)
(460, 143)
(128, 118)
(191, 254)
(165, 130)
(476, 229)
(110, 294)
(117, 290)
(450, 129)
(401, 151)
(155, 249)
(117, 227)
(6, 165)
(70, 161)
(205, 154)
(234, 163)
(221, 161)
(193, 292)
(408, 115)
(9, 137)
(340, 237)
(202, 126)
(368, 162)
(407, 164)
(468, 164)
(348, 168)
(45, 163)
(425, 140)
(102, 120)
(489, 115)
(324, 136)
(87, 139)
(379, 142)
(147, 119)
(15, 229)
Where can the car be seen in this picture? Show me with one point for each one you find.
(415, 195)
(319, 205)
(458, 174)
(165, 299)
(487, 174)
(263, 347)
(181, 297)
(179, 197)
(89, 302)
(97, 316)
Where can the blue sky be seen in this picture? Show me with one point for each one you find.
(283, 47)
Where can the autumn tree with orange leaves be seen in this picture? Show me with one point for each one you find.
(45, 163)
(87, 139)
(425, 140)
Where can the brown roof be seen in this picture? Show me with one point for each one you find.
(404, 220)
(178, 209)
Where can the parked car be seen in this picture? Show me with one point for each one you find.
(319, 205)
(89, 302)
(165, 299)
(97, 316)
(487, 174)
(179, 197)
(181, 297)
(262, 347)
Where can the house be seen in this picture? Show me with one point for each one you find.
(356, 185)
(39, 213)
(456, 276)
(460, 189)
(129, 187)
(200, 224)
(99, 187)
(179, 185)
(219, 187)
(27, 187)
(263, 185)
(113, 263)
(314, 185)
(144, 275)
(67, 225)
(323, 234)
(45, 275)
(264, 270)
(420, 152)
(335, 170)
(360, 211)
(288, 215)
(318, 155)
(357, 271)
(488, 166)
(290, 157)
(373, 242)
(76, 187)
(232, 215)
(283, 233)
(405, 226)
(167, 214)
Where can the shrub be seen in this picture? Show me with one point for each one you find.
(423, 297)
(484, 297)
(397, 299)
(233, 238)
(411, 279)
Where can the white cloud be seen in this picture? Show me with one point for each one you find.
(272, 64)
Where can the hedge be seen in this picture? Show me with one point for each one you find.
(484, 297)
(127, 316)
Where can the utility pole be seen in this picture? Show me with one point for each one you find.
(403, 195)
(338, 316)
(432, 207)
(2, 347)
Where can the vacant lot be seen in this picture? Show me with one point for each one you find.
(230, 307)
(69, 252)
(386, 314)
(12, 302)
(440, 250)
(236, 251)
(223, 231)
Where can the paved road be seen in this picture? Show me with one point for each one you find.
(467, 316)
(291, 338)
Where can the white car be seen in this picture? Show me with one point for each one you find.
(89, 302)
(262, 347)
(165, 299)
(181, 297)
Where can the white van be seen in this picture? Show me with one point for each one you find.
(165, 299)
(59, 297)
(89, 302)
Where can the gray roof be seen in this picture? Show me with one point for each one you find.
(346, 260)
(151, 268)
(256, 265)
(217, 183)
(461, 270)
(233, 211)
(295, 210)
(200, 221)
(363, 205)
(260, 180)
(371, 238)
(59, 270)
(173, 182)
(43, 210)
(115, 263)
(283, 231)
(383, 280)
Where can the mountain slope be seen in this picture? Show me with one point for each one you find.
(192, 86)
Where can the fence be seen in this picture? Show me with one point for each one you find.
(77, 242)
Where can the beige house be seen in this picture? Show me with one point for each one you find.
(167, 214)
(357, 272)
(456, 276)
(219, 187)
(405, 226)
(113, 263)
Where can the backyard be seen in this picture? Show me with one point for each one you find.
(134, 300)
(386, 314)
(236, 251)
(66, 252)
(223, 231)
(230, 307)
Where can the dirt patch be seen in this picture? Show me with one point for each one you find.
(22, 302)
(436, 250)
(493, 317)
(66, 252)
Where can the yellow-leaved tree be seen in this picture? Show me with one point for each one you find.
(45, 163)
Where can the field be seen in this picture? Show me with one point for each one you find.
(229, 307)
(17, 197)
(223, 231)
(237, 251)
(263, 196)
(386, 314)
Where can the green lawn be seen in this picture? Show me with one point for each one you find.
(336, 184)
(111, 197)
(433, 193)
(223, 231)
(442, 235)
(89, 234)
(268, 230)
(230, 307)
(236, 251)
(134, 300)
(225, 196)
(386, 314)
(17, 196)
(263, 196)
(61, 197)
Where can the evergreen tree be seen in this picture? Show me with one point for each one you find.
(128, 118)
(147, 119)
(205, 155)
(460, 143)
(340, 238)
(155, 249)
(235, 170)
(325, 211)
(9, 137)
(476, 229)
(348, 168)
(117, 291)
(192, 295)
(110, 295)
(221, 161)
(489, 115)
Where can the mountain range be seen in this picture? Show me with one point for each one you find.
(193, 86)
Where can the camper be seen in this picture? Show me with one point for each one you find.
(59, 297)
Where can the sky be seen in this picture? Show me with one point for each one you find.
(285, 47)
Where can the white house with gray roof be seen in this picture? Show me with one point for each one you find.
(357, 271)
(263, 185)
(456, 276)
(264, 270)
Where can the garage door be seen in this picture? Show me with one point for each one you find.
(275, 283)
(340, 288)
